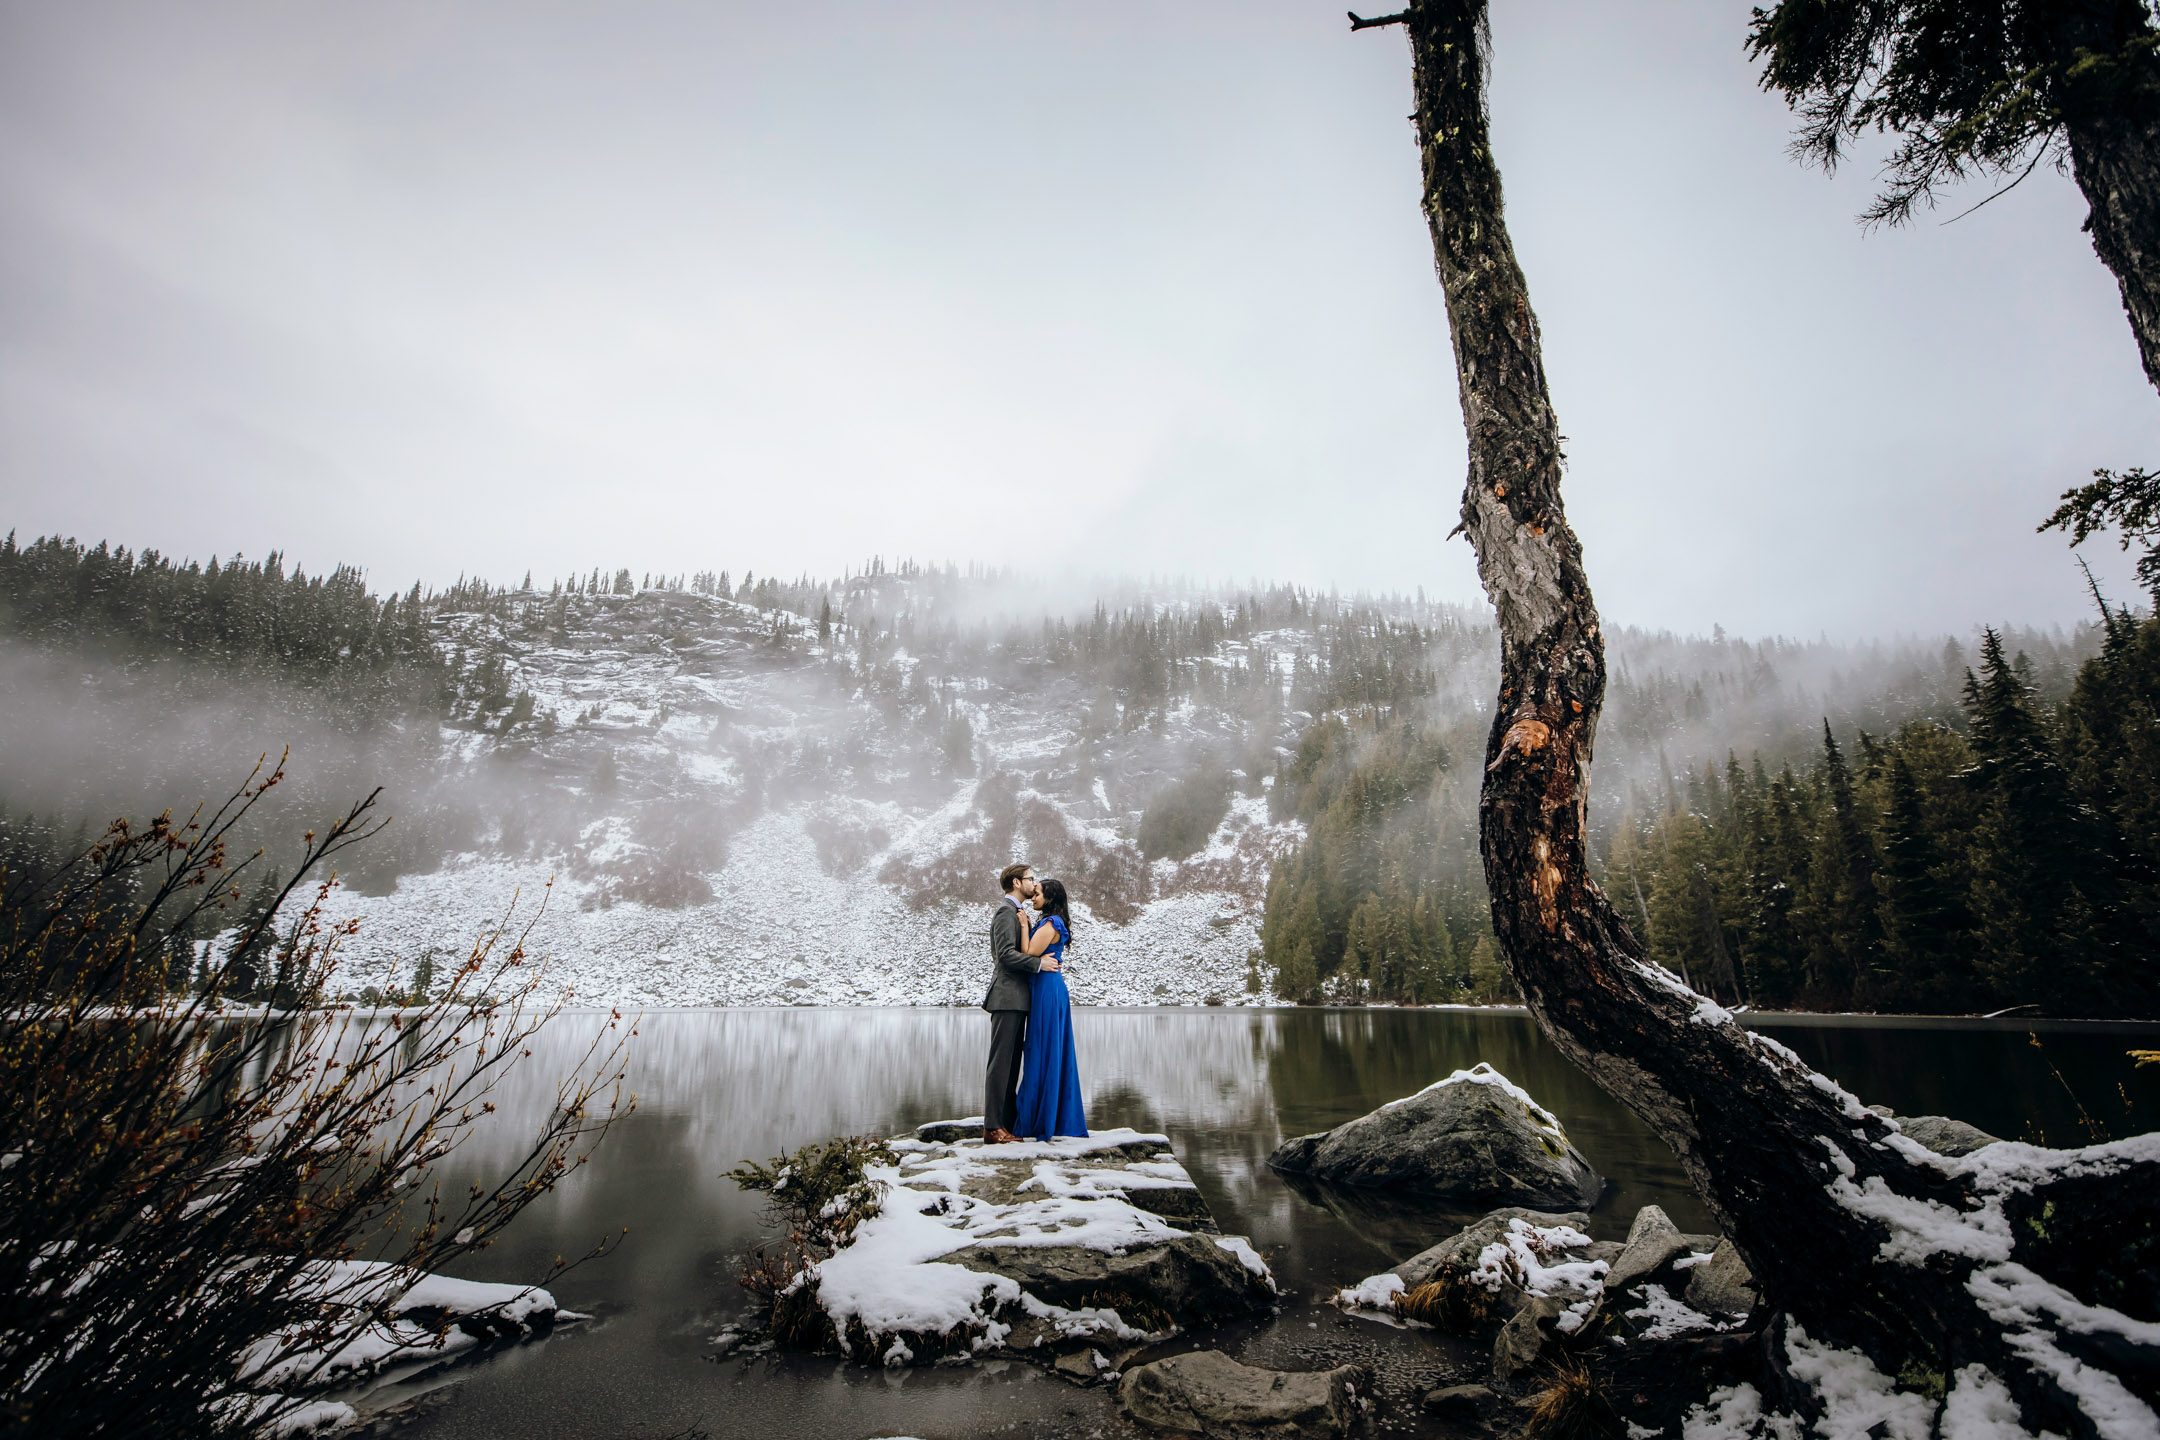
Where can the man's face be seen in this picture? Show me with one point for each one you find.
(1025, 887)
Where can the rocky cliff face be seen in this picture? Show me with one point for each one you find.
(720, 807)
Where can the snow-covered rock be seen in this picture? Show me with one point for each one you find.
(431, 1317)
(424, 1319)
(1032, 1248)
(1474, 1136)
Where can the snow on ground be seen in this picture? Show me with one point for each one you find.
(430, 1318)
(781, 931)
(672, 733)
(1528, 1255)
(892, 1278)
(435, 1317)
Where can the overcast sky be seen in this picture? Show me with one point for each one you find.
(486, 287)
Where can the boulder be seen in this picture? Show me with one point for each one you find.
(1183, 1280)
(1084, 1365)
(1943, 1135)
(1522, 1340)
(1653, 1242)
(1474, 1136)
(1461, 1404)
(1463, 1247)
(1208, 1393)
(1721, 1285)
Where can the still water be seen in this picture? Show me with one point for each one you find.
(717, 1086)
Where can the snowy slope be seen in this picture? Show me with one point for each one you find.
(731, 814)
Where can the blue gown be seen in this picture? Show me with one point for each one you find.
(1049, 1103)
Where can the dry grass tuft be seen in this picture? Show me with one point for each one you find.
(1574, 1405)
(1452, 1301)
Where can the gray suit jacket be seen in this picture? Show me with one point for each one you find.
(1011, 967)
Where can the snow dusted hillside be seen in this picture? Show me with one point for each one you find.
(733, 811)
(779, 930)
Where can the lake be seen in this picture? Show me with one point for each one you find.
(715, 1087)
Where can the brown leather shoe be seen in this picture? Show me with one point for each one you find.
(1001, 1137)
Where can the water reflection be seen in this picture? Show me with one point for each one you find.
(717, 1086)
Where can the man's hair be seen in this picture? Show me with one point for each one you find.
(1011, 873)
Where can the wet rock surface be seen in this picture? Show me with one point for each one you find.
(1653, 1242)
(1207, 1393)
(1465, 1246)
(1473, 1137)
(1182, 1281)
(1723, 1285)
(1521, 1342)
(1461, 1404)
(1943, 1135)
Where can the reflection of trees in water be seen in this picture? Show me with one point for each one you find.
(757, 1082)
(716, 1087)
(1326, 1073)
(1400, 1227)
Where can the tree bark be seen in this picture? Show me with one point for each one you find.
(1864, 1240)
(2111, 122)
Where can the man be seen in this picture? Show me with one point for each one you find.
(1012, 972)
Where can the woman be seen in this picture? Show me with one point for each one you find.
(1049, 1103)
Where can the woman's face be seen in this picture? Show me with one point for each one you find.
(1037, 901)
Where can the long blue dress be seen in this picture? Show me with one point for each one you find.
(1049, 1103)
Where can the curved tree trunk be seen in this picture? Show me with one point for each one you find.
(2111, 122)
(1953, 1277)
(2116, 161)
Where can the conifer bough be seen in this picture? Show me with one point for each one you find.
(1963, 1280)
(1990, 90)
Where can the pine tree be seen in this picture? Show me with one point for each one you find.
(1851, 925)
(2111, 748)
(1923, 919)
(2042, 887)
(255, 936)
(1490, 983)
(1773, 947)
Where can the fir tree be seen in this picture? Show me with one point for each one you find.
(1849, 925)
(2040, 891)
(1923, 920)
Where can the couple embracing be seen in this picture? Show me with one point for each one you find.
(1033, 1079)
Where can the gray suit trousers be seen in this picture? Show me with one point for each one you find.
(1001, 1078)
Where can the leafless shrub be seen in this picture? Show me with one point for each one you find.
(181, 1179)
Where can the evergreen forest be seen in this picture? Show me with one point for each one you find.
(1903, 826)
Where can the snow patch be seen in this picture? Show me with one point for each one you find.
(1374, 1292)
(1484, 1074)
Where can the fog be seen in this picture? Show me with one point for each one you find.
(622, 743)
(1096, 292)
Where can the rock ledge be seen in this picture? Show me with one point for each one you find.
(1062, 1252)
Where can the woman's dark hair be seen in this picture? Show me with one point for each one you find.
(1053, 903)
